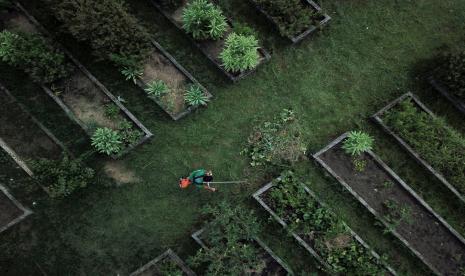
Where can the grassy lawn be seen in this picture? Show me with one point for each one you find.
(372, 52)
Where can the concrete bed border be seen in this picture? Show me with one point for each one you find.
(399, 181)
(26, 211)
(167, 254)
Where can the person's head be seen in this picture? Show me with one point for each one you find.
(208, 177)
(209, 173)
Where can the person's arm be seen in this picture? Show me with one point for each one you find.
(211, 189)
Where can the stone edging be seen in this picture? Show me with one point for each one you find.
(167, 254)
(26, 212)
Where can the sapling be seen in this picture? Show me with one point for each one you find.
(204, 20)
(240, 53)
(195, 96)
(107, 141)
(156, 88)
(356, 143)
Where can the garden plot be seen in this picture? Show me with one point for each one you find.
(211, 48)
(167, 263)
(84, 99)
(307, 13)
(272, 264)
(11, 211)
(332, 242)
(161, 66)
(22, 136)
(439, 151)
(398, 207)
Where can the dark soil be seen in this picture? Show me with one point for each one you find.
(8, 210)
(22, 134)
(421, 229)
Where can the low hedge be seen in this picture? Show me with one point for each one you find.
(105, 24)
(439, 144)
(292, 16)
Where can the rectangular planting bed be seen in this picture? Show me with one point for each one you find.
(323, 19)
(444, 90)
(11, 211)
(314, 240)
(84, 99)
(162, 66)
(167, 263)
(398, 207)
(441, 174)
(273, 264)
(210, 48)
(22, 136)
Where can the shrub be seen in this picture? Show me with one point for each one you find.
(204, 20)
(156, 88)
(107, 141)
(128, 133)
(453, 73)
(276, 143)
(306, 215)
(195, 96)
(229, 237)
(436, 142)
(62, 177)
(291, 16)
(240, 53)
(357, 142)
(106, 25)
(33, 54)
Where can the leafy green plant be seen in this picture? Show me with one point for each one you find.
(132, 73)
(204, 20)
(62, 177)
(357, 142)
(157, 88)
(292, 16)
(130, 68)
(332, 239)
(106, 25)
(112, 111)
(396, 213)
(240, 53)
(34, 55)
(276, 143)
(129, 135)
(169, 268)
(229, 236)
(360, 164)
(435, 141)
(453, 73)
(107, 141)
(195, 96)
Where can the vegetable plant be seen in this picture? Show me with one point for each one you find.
(195, 96)
(204, 20)
(157, 88)
(357, 142)
(107, 141)
(277, 142)
(112, 111)
(33, 54)
(62, 177)
(240, 53)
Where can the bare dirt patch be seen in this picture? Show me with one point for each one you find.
(120, 173)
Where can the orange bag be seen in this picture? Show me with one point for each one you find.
(184, 183)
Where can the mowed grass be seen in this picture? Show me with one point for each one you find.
(372, 52)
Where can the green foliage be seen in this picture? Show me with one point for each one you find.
(195, 96)
(169, 268)
(453, 73)
(130, 68)
(359, 164)
(33, 54)
(240, 53)
(229, 237)
(112, 111)
(276, 143)
(107, 141)
(62, 177)
(106, 25)
(128, 133)
(291, 16)
(156, 88)
(436, 142)
(332, 239)
(204, 20)
(357, 142)
(396, 213)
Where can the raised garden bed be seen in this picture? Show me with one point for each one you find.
(210, 48)
(22, 136)
(378, 118)
(12, 212)
(273, 264)
(167, 263)
(83, 98)
(323, 19)
(162, 66)
(309, 240)
(442, 88)
(377, 187)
